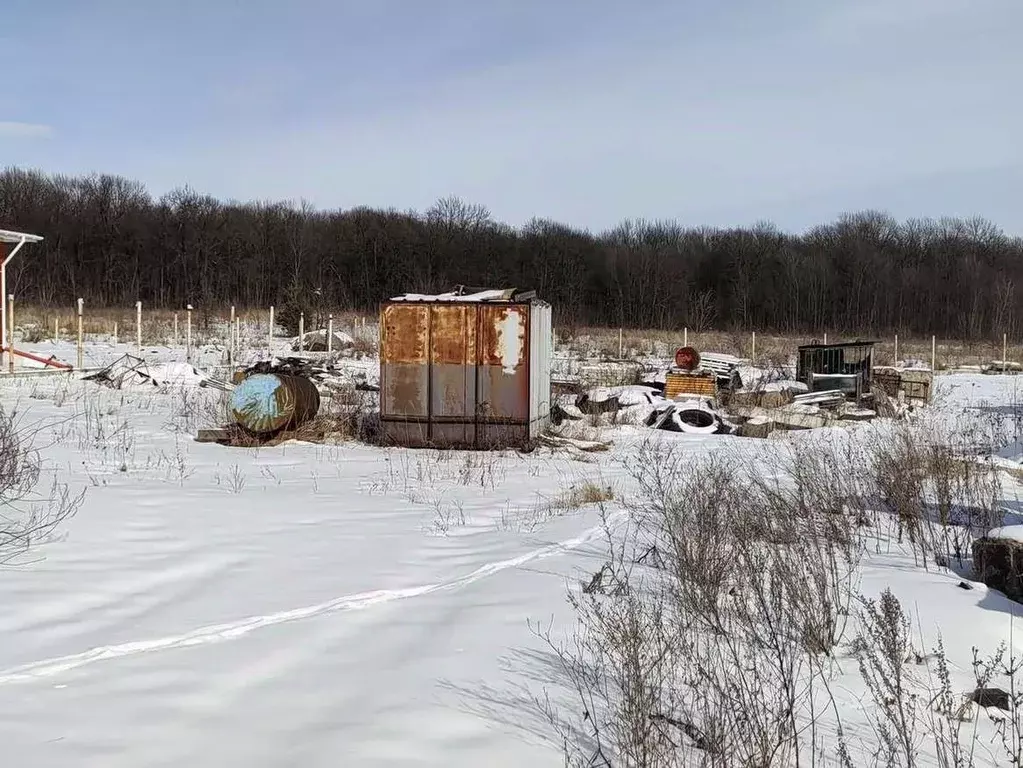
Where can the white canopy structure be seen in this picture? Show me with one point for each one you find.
(18, 240)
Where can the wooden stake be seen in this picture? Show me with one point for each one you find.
(685, 337)
(934, 354)
(753, 354)
(270, 336)
(138, 326)
(56, 329)
(301, 331)
(1004, 351)
(176, 336)
(115, 333)
(896, 350)
(620, 351)
(330, 334)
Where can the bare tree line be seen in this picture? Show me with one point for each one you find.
(109, 240)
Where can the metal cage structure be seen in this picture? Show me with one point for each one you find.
(847, 366)
(18, 240)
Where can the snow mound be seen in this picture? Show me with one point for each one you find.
(1007, 533)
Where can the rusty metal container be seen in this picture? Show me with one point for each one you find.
(468, 371)
(265, 403)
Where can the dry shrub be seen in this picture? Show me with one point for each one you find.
(725, 596)
(28, 516)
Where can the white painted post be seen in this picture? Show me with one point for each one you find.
(188, 332)
(896, 350)
(1004, 352)
(230, 343)
(115, 333)
(753, 354)
(825, 337)
(934, 354)
(301, 331)
(81, 352)
(56, 329)
(138, 326)
(237, 334)
(270, 335)
(10, 331)
(620, 352)
(330, 334)
(176, 336)
(685, 337)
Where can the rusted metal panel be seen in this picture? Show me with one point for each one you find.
(404, 332)
(266, 403)
(503, 363)
(404, 347)
(453, 373)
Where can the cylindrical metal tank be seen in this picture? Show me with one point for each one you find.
(265, 403)
(465, 371)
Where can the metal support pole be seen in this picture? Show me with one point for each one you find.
(188, 333)
(81, 353)
(10, 331)
(270, 336)
(138, 327)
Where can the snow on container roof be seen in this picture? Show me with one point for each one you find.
(463, 294)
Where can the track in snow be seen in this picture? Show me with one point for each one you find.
(217, 633)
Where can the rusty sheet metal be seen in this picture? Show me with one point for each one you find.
(676, 384)
(503, 365)
(265, 402)
(453, 330)
(404, 333)
(404, 347)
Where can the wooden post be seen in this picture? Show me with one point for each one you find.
(10, 332)
(138, 327)
(301, 331)
(237, 334)
(896, 350)
(1004, 351)
(685, 337)
(825, 337)
(188, 332)
(753, 354)
(176, 336)
(330, 334)
(56, 329)
(115, 333)
(81, 353)
(934, 355)
(270, 336)
(620, 351)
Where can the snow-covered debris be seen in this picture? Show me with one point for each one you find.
(1007, 533)
(316, 341)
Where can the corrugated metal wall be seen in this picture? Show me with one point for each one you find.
(464, 374)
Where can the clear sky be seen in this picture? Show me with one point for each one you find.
(720, 112)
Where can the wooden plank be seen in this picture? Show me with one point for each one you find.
(213, 436)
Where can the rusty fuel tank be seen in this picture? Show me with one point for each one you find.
(265, 403)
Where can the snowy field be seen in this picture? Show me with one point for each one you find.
(324, 605)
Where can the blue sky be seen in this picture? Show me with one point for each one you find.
(720, 112)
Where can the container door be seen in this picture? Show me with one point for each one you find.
(503, 374)
(453, 374)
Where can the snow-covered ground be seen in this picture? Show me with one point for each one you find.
(324, 605)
